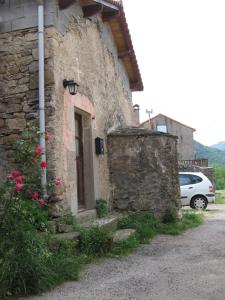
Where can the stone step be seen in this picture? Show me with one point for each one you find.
(67, 236)
(109, 223)
(122, 234)
(86, 216)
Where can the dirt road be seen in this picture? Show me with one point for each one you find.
(186, 267)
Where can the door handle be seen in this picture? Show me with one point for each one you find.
(191, 187)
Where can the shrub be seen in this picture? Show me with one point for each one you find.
(65, 261)
(189, 220)
(26, 263)
(144, 223)
(102, 208)
(24, 257)
(95, 241)
(125, 247)
(68, 220)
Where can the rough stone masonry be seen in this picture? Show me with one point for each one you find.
(143, 170)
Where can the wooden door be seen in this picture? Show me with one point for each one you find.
(79, 160)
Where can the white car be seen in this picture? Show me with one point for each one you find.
(196, 190)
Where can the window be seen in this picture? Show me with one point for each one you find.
(162, 128)
(186, 179)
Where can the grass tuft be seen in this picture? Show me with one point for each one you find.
(189, 220)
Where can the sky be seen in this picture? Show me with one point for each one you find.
(180, 48)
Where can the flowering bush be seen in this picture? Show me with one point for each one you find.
(26, 264)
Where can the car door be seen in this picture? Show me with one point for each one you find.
(186, 188)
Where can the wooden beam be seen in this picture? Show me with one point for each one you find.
(92, 10)
(124, 53)
(109, 15)
(133, 84)
(63, 4)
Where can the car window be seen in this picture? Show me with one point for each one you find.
(196, 179)
(186, 179)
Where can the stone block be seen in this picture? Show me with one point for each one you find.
(19, 115)
(12, 83)
(2, 69)
(52, 226)
(3, 108)
(33, 67)
(19, 89)
(122, 234)
(49, 76)
(11, 138)
(67, 236)
(24, 68)
(24, 80)
(13, 108)
(31, 116)
(31, 36)
(33, 81)
(16, 124)
(13, 70)
(26, 60)
(35, 53)
(2, 123)
(64, 228)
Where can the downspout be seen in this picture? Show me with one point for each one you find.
(41, 87)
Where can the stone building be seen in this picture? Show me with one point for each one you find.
(184, 133)
(89, 42)
(86, 41)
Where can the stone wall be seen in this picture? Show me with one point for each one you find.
(87, 54)
(18, 88)
(143, 171)
(75, 48)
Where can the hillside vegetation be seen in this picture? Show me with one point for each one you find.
(214, 156)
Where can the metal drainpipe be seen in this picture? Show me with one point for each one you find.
(41, 68)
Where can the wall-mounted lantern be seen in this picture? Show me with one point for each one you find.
(72, 85)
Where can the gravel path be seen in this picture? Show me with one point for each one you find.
(186, 267)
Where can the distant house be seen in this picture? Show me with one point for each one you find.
(184, 133)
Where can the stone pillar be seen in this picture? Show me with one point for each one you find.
(143, 171)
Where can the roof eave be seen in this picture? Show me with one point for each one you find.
(114, 12)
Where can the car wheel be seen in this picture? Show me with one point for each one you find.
(198, 202)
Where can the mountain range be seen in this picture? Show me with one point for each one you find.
(220, 146)
(215, 154)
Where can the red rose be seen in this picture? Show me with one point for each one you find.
(58, 181)
(38, 151)
(34, 160)
(18, 186)
(35, 196)
(43, 164)
(10, 177)
(41, 202)
(15, 173)
(19, 179)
